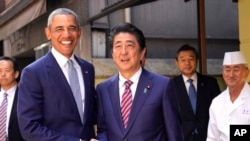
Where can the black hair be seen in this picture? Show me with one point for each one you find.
(187, 47)
(14, 62)
(128, 28)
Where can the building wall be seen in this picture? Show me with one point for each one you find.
(22, 42)
(244, 29)
(167, 25)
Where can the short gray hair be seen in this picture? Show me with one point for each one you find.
(62, 11)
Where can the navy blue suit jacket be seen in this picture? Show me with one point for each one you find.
(194, 126)
(154, 115)
(46, 107)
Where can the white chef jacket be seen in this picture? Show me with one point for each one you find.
(224, 113)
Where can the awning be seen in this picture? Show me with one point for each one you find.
(20, 15)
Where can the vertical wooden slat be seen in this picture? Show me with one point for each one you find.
(202, 36)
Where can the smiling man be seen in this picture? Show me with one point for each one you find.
(232, 106)
(9, 75)
(194, 108)
(135, 104)
(57, 95)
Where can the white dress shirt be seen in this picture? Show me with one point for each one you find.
(62, 61)
(134, 79)
(11, 95)
(187, 84)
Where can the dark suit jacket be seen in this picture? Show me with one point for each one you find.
(207, 89)
(47, 110)
(154, 115)
(13, 130)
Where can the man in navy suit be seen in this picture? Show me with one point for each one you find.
(47, 109)
(153, 115)
(194, 122)
(9, 75)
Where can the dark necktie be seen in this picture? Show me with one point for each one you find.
(192, 94)
(75, 87)
(126, 103)
(3, 118)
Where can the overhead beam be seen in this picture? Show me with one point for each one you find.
(117, 6)
(10, 13)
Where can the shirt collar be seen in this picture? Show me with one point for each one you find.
(134, 78)
(10, 92)
(244, 91)
(62, 60)
(194, 77)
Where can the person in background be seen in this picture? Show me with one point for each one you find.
(135, 104)
(232, 106)
(9, 75)
(57, 94)
(195, 115)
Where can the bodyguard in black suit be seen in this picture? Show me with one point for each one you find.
(194, 122)
(9, 74)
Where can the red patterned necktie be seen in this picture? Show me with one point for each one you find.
(126, 103)
(3, 117)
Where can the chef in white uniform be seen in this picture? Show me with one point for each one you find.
(232, 106)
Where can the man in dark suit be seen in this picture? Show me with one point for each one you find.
(150, 111)
(9, 75)
(48, 108)
(194, 122)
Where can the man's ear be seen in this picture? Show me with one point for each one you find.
(17, 74)
(144, 51)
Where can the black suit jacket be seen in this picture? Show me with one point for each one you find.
(195, 125)
(13, 130)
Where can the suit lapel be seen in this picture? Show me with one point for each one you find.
(142, 92)
(88, 86)
(113, 90)
(58, 79)
(13, 114)
(200, 90)
(56, 75)
(182, 95)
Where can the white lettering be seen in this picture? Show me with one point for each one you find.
(240, 132)
(237, 132)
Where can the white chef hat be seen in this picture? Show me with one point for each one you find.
(233, 58)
